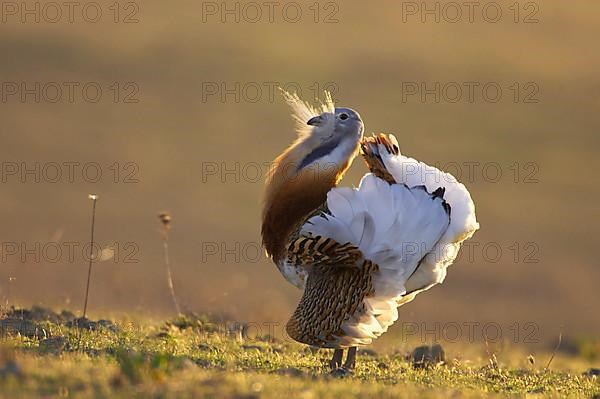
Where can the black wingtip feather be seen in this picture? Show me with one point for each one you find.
(447, 207)
(439, 192)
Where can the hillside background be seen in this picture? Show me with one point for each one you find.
(541, 212)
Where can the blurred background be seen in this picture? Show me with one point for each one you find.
(174, 107)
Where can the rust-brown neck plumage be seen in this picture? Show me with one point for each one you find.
(291, 196)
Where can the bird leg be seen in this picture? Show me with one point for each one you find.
(336, 361)
(350, 359)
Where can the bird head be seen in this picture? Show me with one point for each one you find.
(333, 139)
(328, 137)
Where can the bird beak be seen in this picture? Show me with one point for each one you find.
(315, 121)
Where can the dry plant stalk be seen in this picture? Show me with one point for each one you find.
(554, 352)
(165, 219)
(10, 280)
(94, 198)
(491, 356)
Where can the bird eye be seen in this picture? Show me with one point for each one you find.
(344, 117)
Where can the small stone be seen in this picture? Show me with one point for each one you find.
(82, 323)
(593, 372)
(425, 356)
(341, 372)
(67, 316)
(86, 324)
(27, 328)
(420, 356)
(108, 324)
(203, 363)
(54, 345)
(437, 354)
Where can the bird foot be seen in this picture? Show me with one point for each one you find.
(341, 372)
(336, 361)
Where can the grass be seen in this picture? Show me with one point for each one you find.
(196, 357)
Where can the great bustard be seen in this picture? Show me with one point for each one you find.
(358, 253)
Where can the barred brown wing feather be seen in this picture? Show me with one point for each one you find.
(370, 151)
(319, 251)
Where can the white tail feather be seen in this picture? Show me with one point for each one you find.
(463, 223)
(395, 227)
(403, 229)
